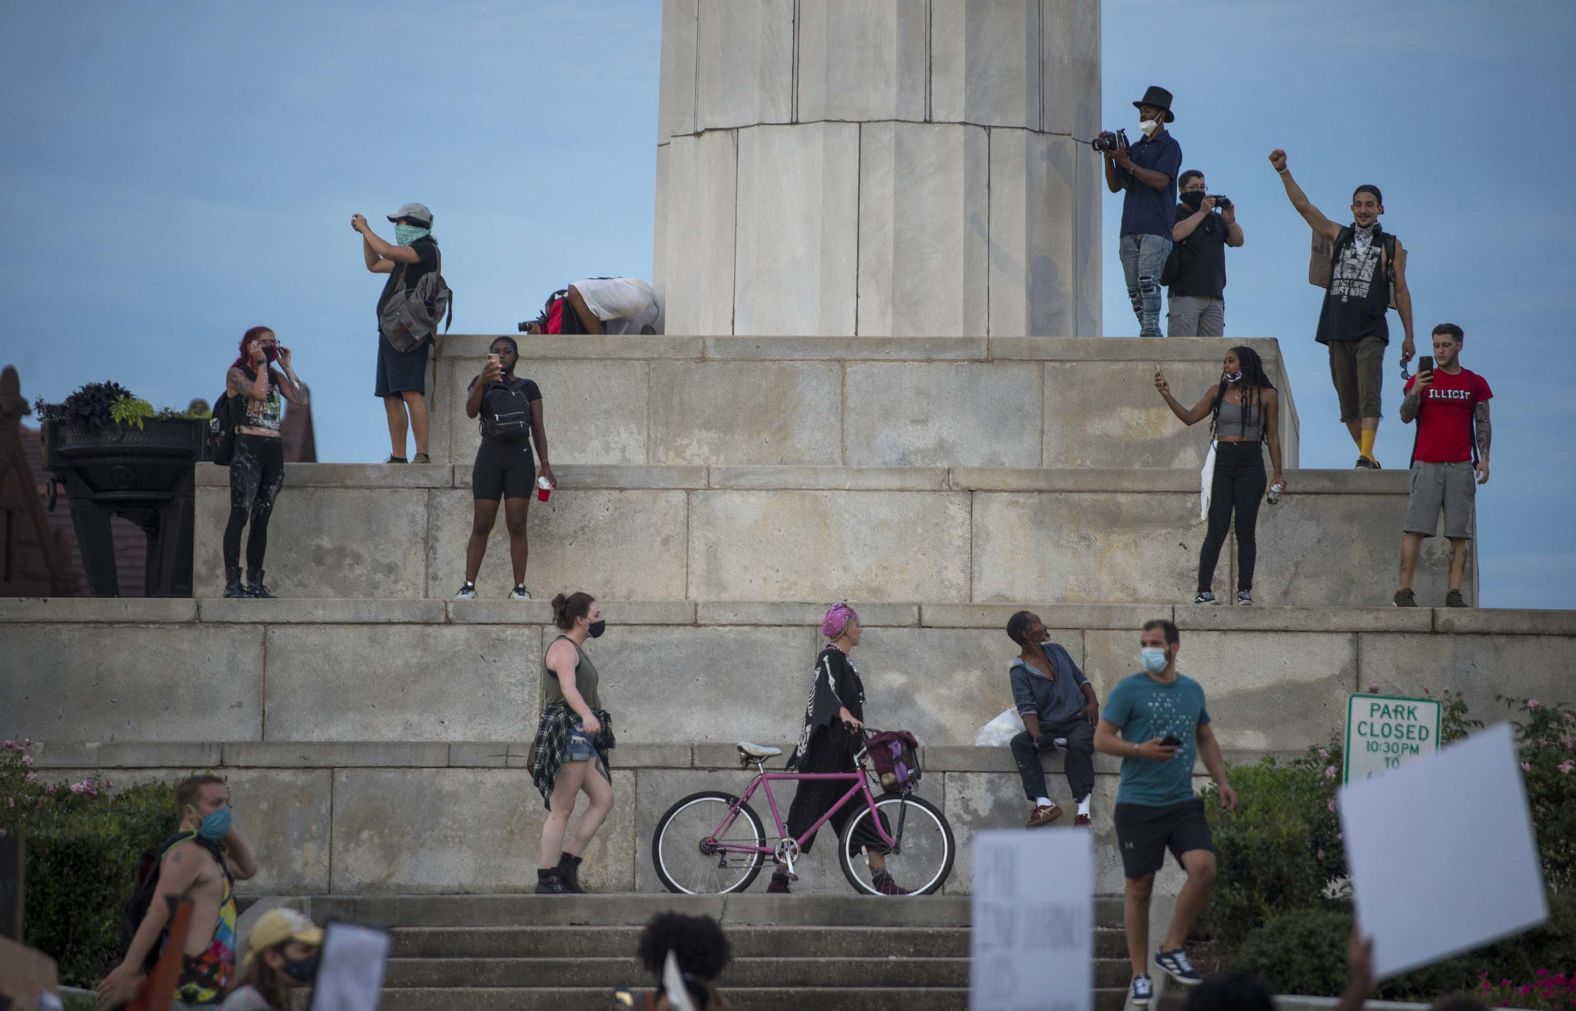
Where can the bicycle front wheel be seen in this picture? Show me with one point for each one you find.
(686, 850)
(922, 858)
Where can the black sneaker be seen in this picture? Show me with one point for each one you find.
(1405, 598)
(1244, 598)
(1454, 599)
(1205, 597)
(1143, 991)
(1177, 966)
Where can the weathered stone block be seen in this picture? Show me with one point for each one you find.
(630, 542)
(1107, 414)
(767, 476)
(141, 610)
(1482, 667)
(985, 63)
(676, 88)
(744, 67)
(1071, 616)
(1070, 44)
(1088, 267)
(1032, 266)
(333, 754)
(798, 193)
(1117, 546)
(328, 542)
(77, 682)
(127, 755)
(746, 412)
(808, 615)
(434, 839)
(894, 414)
(923, 221)
(696, 207)
(861, 60)
(828, 545)
(319, 611)
(839, 347)
(402, 683)
(1261, 697)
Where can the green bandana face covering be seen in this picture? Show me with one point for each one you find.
(404, 235)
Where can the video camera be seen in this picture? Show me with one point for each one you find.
(1108, 141)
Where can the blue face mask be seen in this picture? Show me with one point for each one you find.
(215, 826)
(1153, 658)
(404, 235)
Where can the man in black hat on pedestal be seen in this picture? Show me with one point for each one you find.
(1148, 172)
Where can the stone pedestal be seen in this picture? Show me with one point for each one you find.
(879, 168)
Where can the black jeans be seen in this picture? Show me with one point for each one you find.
(1079, 763)
(1238, 487)
(257, 472)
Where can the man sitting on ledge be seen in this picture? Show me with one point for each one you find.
(1059, 709)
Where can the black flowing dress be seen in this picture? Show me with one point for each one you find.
(825, 745)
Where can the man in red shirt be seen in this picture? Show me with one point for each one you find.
(1450, 405)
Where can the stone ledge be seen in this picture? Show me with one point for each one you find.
(834, 348)
(129, 755)
(548, 347)
(584, 476)
(337, 755)
(346, 475)
(872, 615)
(1055, 616)
(1093, 481)
(1304, 619)
(1507, 621)
(108, 610)
(319, 611)
(760, 477)
(499, 612)
(1159, 350)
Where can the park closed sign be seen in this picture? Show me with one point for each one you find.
(1384, 732)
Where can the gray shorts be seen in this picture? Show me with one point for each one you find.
(1435, 486)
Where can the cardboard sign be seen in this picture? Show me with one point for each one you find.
(1032, 940)
(350, 971)
(1384, 731)
(1442, 854)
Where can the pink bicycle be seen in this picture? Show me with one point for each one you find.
(713, 842)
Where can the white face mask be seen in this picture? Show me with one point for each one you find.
(1149, 126)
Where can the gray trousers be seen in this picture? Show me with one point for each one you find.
(1194, 316)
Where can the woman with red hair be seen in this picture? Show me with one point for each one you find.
(257, 470)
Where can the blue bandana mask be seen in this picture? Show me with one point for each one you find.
(216, 825)
(404, 235)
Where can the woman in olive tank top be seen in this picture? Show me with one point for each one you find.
(570, 753)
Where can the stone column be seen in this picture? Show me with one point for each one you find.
(879, 167)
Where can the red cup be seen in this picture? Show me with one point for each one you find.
(544, 489)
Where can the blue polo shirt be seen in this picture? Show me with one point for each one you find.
(1147, 211)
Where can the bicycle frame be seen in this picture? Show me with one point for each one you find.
(860, 786)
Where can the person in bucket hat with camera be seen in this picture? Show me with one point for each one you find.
(1147, 172)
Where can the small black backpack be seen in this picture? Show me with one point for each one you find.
(221, 429)
(136, 908)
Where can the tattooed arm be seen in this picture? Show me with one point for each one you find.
(1485, 437)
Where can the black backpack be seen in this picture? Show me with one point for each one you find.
(512, 425)
(221, 429)
(558, 317)
(136, 908)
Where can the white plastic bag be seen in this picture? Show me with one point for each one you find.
(1000, 731)
(1206, 484)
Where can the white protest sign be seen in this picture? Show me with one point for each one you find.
(1442, 854)
(1032, 940)
(1384, 731)
(350, 969)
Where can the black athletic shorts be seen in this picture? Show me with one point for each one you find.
(503, 470)
(1144, 833)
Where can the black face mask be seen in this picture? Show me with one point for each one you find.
(302, 969)
(1193, 200)
(596, 628)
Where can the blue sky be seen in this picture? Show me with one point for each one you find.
(172, 173)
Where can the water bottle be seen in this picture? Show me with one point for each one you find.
(1275, 493)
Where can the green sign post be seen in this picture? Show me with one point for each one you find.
(1384, 732)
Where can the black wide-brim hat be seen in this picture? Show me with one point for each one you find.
(1160, 98)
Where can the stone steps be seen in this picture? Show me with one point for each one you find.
(822, 998)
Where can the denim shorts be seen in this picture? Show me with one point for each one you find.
(581, 747)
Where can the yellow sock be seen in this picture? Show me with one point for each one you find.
(1365, 445)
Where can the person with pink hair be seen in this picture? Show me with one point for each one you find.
(828, 742)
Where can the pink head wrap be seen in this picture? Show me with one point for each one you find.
(837, 618)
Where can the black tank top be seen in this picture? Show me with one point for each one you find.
(1359, 294)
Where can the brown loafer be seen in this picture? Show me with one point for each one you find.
(1042, 816)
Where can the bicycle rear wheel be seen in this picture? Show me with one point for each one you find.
(684, 860)
(922, 858)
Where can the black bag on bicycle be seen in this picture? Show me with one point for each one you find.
(895, 755)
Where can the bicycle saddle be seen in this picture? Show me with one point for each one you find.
(749, 750)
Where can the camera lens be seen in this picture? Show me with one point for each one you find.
(523, 327)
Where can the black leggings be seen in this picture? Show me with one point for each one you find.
(1238, 486)
(257, 472)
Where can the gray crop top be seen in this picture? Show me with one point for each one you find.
(1230, 421)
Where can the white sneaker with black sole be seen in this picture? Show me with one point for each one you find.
(467, 592)
(520, 593)
(1143, 991)
(1177, 966)
(1205, 597)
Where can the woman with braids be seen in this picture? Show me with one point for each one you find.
(829, 740)
(569, 755)
(1244, 413)
(257, 468)
(510, 418)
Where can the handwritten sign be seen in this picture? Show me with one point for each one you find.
(1032, 941)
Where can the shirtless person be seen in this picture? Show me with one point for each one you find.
(190, 870)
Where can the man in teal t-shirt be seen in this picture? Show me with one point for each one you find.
(1155, 721)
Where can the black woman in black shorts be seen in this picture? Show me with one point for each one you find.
(509, 410)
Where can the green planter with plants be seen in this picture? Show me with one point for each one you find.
(116, 456)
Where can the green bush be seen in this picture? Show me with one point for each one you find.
(1546, 740)
(83, 845)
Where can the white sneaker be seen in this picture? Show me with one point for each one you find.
(520, 593)
(1244, 597)
(467, 592)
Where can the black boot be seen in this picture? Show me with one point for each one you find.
(549, 883)
(569, 874)
(254, 585)
(232, 582)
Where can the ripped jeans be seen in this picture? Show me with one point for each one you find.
(1143, 258)
(257, 472)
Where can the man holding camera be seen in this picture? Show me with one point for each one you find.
(1450, 405)
(1196, 272)
(1148, 171)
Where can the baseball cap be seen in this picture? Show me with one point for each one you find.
(277, 926)
(413, 210)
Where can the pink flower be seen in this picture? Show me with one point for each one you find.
(1526, 766)
(1566, 766)
(1570, 717)
(1329, 772)
(27, 742)
(27, 759)
(1534, 704)
(1324, 754)
(1331, 804)
(9, 745)
(31, 776)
